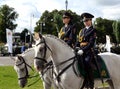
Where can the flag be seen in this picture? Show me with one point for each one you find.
(9, 40)
(108, 44)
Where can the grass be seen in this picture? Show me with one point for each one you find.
(9, 80)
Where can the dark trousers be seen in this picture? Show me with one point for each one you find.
(89, 70)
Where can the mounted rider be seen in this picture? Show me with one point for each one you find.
(68, 31)
(86, 42)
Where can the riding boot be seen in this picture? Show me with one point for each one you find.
(89, 72)
(90, 79)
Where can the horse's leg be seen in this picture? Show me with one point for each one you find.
(55, 86)
(47, 83)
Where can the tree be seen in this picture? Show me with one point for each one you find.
(116, 30)
(23, 35)
(57, 19)
(51, 22)
(104, 27)
(7, 20)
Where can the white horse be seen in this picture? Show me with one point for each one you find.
(61, 52)
(21, 67)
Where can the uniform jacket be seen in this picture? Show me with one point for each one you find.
(68, 34)
(89, 36)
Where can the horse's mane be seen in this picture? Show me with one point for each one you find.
(28, 50)
(60, 40)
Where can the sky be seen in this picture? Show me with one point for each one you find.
(30, 10)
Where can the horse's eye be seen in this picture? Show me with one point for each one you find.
(41, 49)
(22, 69)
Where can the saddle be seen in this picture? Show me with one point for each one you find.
(98, 73)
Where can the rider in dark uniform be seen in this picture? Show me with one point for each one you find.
(68, 31)
(87, 38)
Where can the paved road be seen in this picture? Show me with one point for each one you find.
(6, 61)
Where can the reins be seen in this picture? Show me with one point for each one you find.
(46, 46)
(26, 65)
(27, 75)
(51, 66)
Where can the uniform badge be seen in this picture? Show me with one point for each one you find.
(103, 73)
(80, 38)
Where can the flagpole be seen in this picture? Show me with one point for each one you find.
(66, 4)
(31, 17)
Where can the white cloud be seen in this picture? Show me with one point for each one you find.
(107, 2)
(111, 13)
(26, 8)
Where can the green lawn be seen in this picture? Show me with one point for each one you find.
(8, 79)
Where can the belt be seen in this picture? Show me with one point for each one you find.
(83, 43)
(66, 38)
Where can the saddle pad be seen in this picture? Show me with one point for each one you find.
(103, 69)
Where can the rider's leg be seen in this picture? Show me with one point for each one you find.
(89, 71)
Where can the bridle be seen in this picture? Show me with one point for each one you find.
(45, 50)
(68, 66)
(46, 65)
(26, 65)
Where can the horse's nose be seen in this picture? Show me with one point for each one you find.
(22, 82)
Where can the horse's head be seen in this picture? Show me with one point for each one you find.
(20, 67)
(41, 53)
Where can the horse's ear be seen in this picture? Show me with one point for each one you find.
(40, 35)
(37, 36)
(19, 57)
